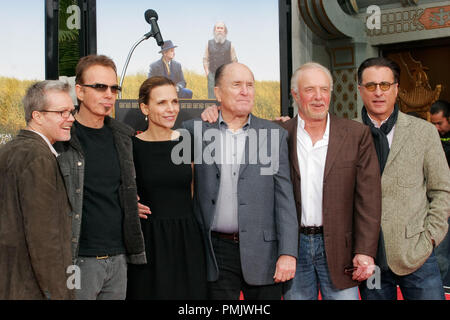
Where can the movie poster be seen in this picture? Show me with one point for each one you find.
(252, 37)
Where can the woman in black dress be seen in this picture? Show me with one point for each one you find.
(175, 266)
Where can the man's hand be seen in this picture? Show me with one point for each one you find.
(285, 268)
(364, 265)
(143, 211)
(283, 119)
(210, 114)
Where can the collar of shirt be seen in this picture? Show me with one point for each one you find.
(311, 163)
(390, 135)
(375, 123)
(47, 141)
(302, 133)
(224, 125)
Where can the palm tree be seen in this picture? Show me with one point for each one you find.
(68, 41)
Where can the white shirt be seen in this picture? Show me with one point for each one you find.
(48, 142)
(390, 135)
(311, 162)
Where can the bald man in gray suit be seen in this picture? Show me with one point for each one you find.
(243, 200)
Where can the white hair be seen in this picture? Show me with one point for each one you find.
(307, 66)
(222, 23)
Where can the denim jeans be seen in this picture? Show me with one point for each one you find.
(423, 284)
(312, 274)
(102, 279)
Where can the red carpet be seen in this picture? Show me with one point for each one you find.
(399, 295)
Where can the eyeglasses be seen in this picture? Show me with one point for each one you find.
(103, 87)
(64, 114)
(372, 86)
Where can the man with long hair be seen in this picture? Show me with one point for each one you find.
(219, 51)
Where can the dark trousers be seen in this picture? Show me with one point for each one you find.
(231, 281)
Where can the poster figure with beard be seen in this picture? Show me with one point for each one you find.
(219, 51)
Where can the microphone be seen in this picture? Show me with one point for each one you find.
(152, 17)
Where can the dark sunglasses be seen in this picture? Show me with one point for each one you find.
(65, 114)
(384, 85)
(103, 87)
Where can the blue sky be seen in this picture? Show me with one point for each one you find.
(252, 24)
(22, 37)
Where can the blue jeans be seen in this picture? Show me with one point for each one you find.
(102, 279)
(312, 274)
(423, 284)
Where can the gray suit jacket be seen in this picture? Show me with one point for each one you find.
(415, 194)
(267, 217)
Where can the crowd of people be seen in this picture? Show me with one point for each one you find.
(228, 204)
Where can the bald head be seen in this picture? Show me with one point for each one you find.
(222, 70)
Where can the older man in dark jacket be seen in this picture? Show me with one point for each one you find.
(35, 217)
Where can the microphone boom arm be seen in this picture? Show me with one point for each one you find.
(124, 70)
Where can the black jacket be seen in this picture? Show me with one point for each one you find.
(71, 161)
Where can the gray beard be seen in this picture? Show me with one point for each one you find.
(219, 38)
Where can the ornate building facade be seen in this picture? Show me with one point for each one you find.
(340, 34)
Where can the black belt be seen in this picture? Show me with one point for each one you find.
(311, 230)
(230, 236)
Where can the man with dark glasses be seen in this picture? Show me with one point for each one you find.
(415, 189)
(103, 87)
(34, 209)
(97, 165)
